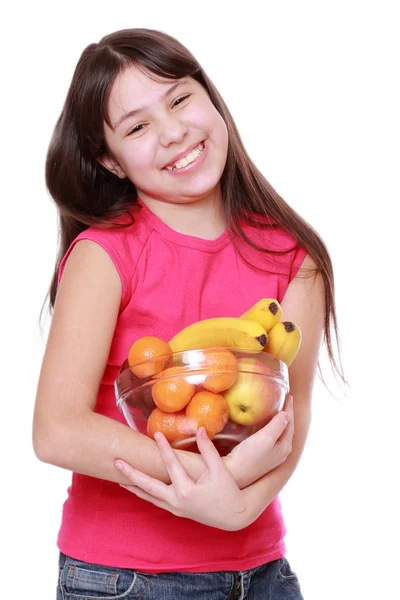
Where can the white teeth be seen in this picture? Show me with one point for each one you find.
(186, 160)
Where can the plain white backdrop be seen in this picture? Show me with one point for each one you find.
(313, 89)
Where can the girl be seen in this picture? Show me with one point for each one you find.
(164, 220)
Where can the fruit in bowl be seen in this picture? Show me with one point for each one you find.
(252, 398)
(232, 392)
(228, 374)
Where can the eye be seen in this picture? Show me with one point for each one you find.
(180, 100)
(136, 129)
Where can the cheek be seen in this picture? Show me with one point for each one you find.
(208, 119)
(220, 132)
(136, 158)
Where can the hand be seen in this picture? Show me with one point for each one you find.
(264, 450)
(213, 500)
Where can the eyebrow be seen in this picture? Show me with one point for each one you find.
(136, 111)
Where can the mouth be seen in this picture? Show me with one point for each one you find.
(186, 160)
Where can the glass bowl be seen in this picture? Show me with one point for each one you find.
(232, 392)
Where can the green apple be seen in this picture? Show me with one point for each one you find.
(253, 398)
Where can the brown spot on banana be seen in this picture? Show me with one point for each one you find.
(273, 307)
(262, 339)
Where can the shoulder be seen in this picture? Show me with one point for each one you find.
(268, 233)
(123, 239)
(280, 249)
(120, 246)
(88, 265)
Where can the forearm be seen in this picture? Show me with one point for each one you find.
(265, 489)
(90, 443)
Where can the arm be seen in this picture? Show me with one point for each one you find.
(66, 430)
(228, 499)
(304, 303)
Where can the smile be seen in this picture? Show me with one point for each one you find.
(186, 160)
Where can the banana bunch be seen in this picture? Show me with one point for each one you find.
(284, 338)
(284, 341)
(229, 332)
(266, 311)
(258, 329)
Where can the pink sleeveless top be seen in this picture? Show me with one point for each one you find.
(169, 281)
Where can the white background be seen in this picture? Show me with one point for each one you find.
(313, 89)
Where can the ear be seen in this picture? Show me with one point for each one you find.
(112, 165)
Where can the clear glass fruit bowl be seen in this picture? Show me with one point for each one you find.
(231, 392)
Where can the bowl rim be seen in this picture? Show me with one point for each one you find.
(281, 375)
(230, 348)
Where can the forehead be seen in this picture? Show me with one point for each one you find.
(134, 88)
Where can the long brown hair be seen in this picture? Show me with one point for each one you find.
(88, 194)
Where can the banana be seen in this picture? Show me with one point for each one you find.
(284, 341)
(228, 332)
(266, 311)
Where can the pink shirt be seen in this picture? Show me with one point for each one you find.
(169, 281)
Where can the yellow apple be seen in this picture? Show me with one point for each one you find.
(253, 398)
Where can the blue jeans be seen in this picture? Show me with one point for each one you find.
(84, 581)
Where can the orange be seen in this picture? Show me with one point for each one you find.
(144, 349)
(222, 363)
(208, 410)
(172, 392)
(175, 426)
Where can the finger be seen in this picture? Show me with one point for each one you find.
(177, 474)
(148, 484)
(288, 406)
(289, 431)
(287, 411)
(275, 428)
(149, 498)
(208, 451)
(285, 442)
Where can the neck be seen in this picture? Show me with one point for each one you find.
(203, 218)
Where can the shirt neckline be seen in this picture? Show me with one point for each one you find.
(182, 239)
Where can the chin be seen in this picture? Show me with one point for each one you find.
(185, 190)
(197, 189)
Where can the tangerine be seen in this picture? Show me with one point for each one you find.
(147, 348)
(172, 392)
(208, 410)
(175, 426)
(224, 369)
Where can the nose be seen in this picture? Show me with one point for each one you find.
(172, 130)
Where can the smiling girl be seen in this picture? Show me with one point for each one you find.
(165, 220)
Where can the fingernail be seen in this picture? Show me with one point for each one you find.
(157, 436)
(118, 465)
(202, 432)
